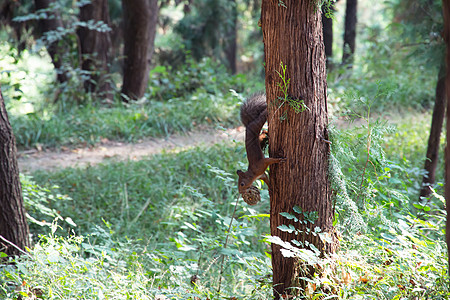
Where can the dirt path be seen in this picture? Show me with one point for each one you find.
(32, 160)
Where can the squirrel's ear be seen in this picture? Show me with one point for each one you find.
(238, 172)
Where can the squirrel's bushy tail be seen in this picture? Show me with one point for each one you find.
(252, 108)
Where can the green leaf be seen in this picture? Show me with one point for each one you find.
(298, 210)
(289, 216)
(285, 228)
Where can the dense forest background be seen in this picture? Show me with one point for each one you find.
(79, 74)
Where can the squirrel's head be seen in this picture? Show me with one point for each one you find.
(243, 182)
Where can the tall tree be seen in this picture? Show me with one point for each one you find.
(231, 40)
(95, 45)
(292, 34)
(350, 32)
(437, 121)
(52, 23)
(8, 10)
(327, 24)
(13, 225)
(446, 13)
(140, 19)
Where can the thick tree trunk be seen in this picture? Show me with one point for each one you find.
(446, 13)
(50, 23)
(140, 18)
(350, 32)
(13, 224)
(293, 37)
(95, 48)
(435, 136)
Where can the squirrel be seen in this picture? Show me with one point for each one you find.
(253, 116)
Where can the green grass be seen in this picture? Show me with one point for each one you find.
(160, 190)
(165, 217)
(89, 124)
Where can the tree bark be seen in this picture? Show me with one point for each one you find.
(13, 224)
(435, 136)
(350, 32)
(95, 48)
(292, 36)
(51, 23)
(140, 19)
(446, 13)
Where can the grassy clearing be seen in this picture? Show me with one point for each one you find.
(89, 124)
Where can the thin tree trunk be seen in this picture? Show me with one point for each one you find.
(435, 136)
(292, 36)
(327, 23)
(140, 19)
(231, 45)
(95, 48)
(350, 32)
(13, 224)
(446, 13)
(51, 23)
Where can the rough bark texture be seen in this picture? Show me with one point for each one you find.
(95, 48)
(350, 31)
(140, 17)
(434, 140)
(13, 225)
(446, 13)
(51, 23)
(293, 35)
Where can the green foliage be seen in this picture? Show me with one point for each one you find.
(194, 94)
(205, 28)
(373, 188)
(298, 105)
(395, 54)
(403, 263)
(141, 203)
(39, 202)
(24, 77)
(205, 76)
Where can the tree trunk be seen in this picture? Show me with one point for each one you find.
(95, 47)
(51, 23)
(327, 23)
(446, 13)
(13, 224)
(292, 35)
(350, 32)
(435, 136)
(230, 43)
(140, 18)
(7, 14)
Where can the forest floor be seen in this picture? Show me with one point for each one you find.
(53, 159)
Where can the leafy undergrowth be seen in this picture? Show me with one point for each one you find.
(157, 228)
(403, 264)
